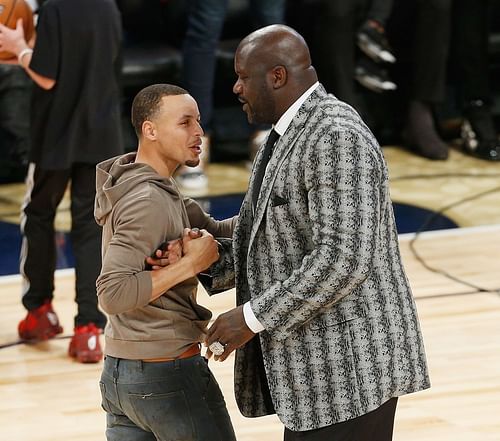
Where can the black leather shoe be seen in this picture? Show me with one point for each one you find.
(478, 132)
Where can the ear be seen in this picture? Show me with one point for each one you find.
(149, 130)
(279, 76)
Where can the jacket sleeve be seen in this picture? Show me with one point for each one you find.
(124, 284)
(221, 275)
(344, 179)
(200, 219)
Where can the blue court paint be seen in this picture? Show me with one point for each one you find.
(408, 219)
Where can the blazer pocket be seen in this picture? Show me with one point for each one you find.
(338, 315)
(278, 201)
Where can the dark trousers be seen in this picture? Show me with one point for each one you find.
(15, 94)
(469, 45)
(420, 33)
(335, 40)
(376, 425)
(444, 30)
(338, 23)
(164, 401)
(432, 40)
(45, 190)
(205, 21)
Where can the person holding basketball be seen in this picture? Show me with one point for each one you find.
(75, 123)
(15, 93)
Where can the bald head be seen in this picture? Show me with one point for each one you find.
(276, 59)
(279, 45)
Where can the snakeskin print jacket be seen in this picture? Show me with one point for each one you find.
(319, 262)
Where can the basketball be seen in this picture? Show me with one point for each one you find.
(10, 12)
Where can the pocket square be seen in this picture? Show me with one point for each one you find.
(278, 200)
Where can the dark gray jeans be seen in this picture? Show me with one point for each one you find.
(165, 401)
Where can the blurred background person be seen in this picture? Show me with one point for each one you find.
(204, 27)
(15, 92)
(75, 123)
(443, 43)
(470, 71)
(351, 45)
(431, 44)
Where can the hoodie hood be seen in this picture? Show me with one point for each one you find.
(117, 176)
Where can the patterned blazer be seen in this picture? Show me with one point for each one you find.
(320, 263)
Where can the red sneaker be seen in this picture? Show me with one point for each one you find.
(40, 324)
(84, 345)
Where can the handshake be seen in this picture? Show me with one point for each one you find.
(229, 331)
(197, 246)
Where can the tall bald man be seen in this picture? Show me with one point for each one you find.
(326, 328)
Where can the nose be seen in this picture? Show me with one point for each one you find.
(199, 129)
(237, 87)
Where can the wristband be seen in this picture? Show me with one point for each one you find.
(22, 54)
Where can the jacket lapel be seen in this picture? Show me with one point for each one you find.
(281, 150)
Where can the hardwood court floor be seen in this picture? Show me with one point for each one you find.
(47, 397)
(414, 180)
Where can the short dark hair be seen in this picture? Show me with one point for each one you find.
(147, 102)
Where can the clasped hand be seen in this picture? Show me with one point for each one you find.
(230, 328)
(197, 245)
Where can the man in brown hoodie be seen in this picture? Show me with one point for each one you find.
(155, 385)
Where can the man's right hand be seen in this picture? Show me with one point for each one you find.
(12, 40)
(199, 251)
(171, 252)
(202, 251)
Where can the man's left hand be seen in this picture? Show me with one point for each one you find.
(172, 252)
(231, 330)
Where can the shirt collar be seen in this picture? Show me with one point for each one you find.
(287, 117)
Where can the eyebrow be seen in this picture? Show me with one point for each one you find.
(189, 115)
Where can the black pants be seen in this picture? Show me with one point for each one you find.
(432, 39)
(45, 190)
(419, 31)
(15, 93)
(440, 31)
(376, 425)
(469, 46)
(336, 46)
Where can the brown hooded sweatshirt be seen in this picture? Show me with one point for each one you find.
(139, 209)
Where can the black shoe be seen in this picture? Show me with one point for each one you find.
(374, 43)
(478, 132)
(372, 76)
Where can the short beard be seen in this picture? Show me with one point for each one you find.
(192, 163)
(266, 116)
